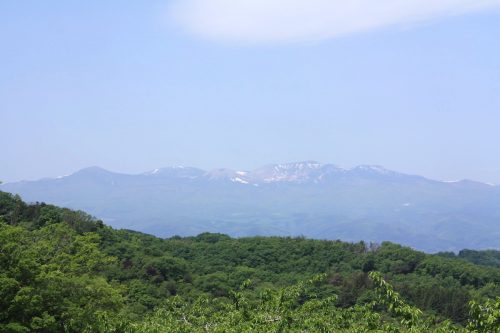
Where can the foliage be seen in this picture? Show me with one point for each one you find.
(297, 309)
(50, 281)
(485, 258)
(62, 270)
(485, 317)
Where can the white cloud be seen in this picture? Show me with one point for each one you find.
(263, 21)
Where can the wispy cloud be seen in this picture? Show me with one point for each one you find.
(264, 21)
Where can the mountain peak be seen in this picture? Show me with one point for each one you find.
(175, 171)
(294, 172)
(304, 165)
(220, 174)
(92, 170)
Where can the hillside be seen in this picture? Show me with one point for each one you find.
(310, 199)
(62, 270)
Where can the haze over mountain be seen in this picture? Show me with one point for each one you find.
(305, 198)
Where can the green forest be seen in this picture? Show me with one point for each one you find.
(64, 271)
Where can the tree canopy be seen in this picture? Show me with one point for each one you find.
(64, 271)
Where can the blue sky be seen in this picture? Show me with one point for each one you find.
(132, 86)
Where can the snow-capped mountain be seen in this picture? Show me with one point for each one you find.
(289, 172)
(302, 198)
(297, 172)
(176, 171)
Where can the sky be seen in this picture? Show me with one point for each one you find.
(131, 86)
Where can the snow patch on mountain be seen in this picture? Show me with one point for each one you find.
(239, 180)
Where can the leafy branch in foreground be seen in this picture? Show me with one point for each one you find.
(410, 316)
(485, 317)
(297, 309)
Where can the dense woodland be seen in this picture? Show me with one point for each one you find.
(63, 271)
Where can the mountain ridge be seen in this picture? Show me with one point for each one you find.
(291, 171)
(321, 201)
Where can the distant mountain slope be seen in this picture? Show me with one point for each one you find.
(305, 198)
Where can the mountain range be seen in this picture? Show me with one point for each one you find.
(307, 198)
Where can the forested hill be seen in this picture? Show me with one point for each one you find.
(485, 258)
(61, 270)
